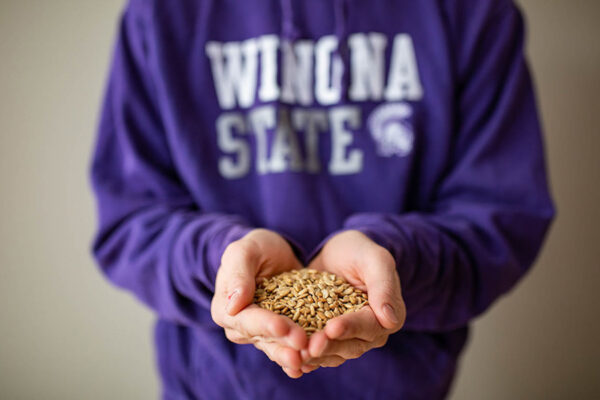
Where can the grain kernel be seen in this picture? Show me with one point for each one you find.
(308, 297)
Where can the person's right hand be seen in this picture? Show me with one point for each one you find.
(260, 253)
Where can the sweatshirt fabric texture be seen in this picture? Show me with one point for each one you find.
(413, 122)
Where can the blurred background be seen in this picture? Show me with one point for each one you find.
(65, 333)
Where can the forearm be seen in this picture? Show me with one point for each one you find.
(166, 253)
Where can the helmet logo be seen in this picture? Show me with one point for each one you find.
(392, 130)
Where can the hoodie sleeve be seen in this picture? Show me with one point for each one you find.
(152, 238)
(492, 209)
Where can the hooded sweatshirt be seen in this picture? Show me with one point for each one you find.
(413, 122)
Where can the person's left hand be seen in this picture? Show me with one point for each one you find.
(371, 268)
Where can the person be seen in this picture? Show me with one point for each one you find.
(393, 143)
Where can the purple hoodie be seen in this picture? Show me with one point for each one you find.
(412, 121)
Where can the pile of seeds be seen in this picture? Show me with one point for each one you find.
(309, 297)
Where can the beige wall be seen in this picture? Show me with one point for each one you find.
(67, 334)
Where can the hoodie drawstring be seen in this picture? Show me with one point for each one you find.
(341, 32)
(289, 32)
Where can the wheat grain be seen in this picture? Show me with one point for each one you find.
(309, 297)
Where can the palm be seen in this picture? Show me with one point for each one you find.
(371, 268)
(260, 253)
(342, 258)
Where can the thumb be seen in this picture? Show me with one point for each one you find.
(317, 263)
(383, 289)
(238, 268)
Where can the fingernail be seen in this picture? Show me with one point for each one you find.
(321, 349)
(232, 296)
(336, 331)
(307, 369)
(390, 314)
(305, 355)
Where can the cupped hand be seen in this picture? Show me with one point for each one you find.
(260, 253)
(371, 268)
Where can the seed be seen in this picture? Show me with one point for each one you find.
(271, 287)
(308, 297)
